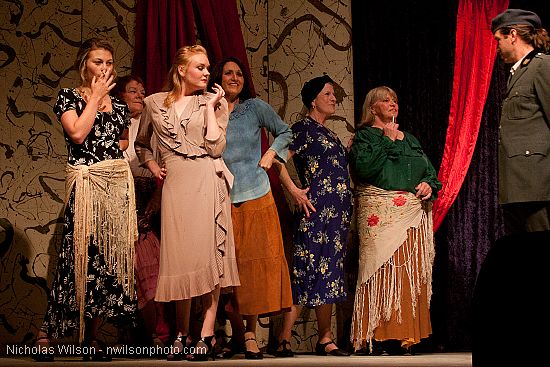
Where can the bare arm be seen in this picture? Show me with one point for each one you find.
(78, 127)
(213, 131)
(299, 196)
(123, 141)
(267, 159)
(157, 171)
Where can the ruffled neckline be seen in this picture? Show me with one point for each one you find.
(176, 127)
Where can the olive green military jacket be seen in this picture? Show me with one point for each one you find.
(524, 133)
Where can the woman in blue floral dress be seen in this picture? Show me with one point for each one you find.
(94, 273)
(325, 204)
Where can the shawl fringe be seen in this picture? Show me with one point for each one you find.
(105, 212)
(412, 262)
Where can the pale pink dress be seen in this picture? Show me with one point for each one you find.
(197, 251)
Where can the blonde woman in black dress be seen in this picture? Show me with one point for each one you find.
(94, 277)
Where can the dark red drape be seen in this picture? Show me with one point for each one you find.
(220, 32)
(474, 60)
(162, 26)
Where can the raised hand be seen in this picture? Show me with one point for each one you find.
(102, 85)
(219, 93)
(391, 130)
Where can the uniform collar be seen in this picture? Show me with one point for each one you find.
(524, 61)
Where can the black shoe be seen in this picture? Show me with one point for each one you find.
(376, 350)
(204, 343)
(43, 352)
(393, 347)
(285, 351)
(320, 350)
(252, 355)
(232, 349)
(97, 352)
(177, 350)
(157, 347)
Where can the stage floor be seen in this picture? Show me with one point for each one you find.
(420, 360)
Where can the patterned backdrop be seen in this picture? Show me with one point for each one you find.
(288, 42)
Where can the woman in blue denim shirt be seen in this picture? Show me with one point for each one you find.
(263, 270)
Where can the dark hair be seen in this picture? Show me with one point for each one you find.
(87, 46)
(122, 82)
(312, 88)
(217, 72)
(538, 38)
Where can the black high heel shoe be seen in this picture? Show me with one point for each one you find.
(285, 351)
(205, 342)
(177, 351)
(233, 348)
(43, 352)
(320, 350)
(252, 355)
(96, 352)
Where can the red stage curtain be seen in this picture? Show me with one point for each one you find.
(162, 26)
(220, 32)
(474, 59)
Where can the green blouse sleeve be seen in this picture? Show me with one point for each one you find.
(430, 174)
(431, 179)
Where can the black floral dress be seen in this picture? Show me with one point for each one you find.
(320, 240)
(104, 294)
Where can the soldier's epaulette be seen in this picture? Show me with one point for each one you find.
(528, 58)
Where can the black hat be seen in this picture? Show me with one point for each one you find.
(312, 88)
(515, 16)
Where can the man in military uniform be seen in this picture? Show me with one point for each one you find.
(524, 132)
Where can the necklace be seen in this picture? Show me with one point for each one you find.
(86, 97)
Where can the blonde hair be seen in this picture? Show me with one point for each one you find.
(174, 82)
(374, 95)
(84, 51)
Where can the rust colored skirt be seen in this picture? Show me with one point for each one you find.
(263, 270)
(413, 326)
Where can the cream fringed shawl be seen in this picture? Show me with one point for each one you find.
(105, 210)
(386, 221)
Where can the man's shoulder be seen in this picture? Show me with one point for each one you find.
(541, 64)
(542, 57)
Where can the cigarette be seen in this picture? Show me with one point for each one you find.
(393, 119)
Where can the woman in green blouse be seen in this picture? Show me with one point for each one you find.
(395, 185)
